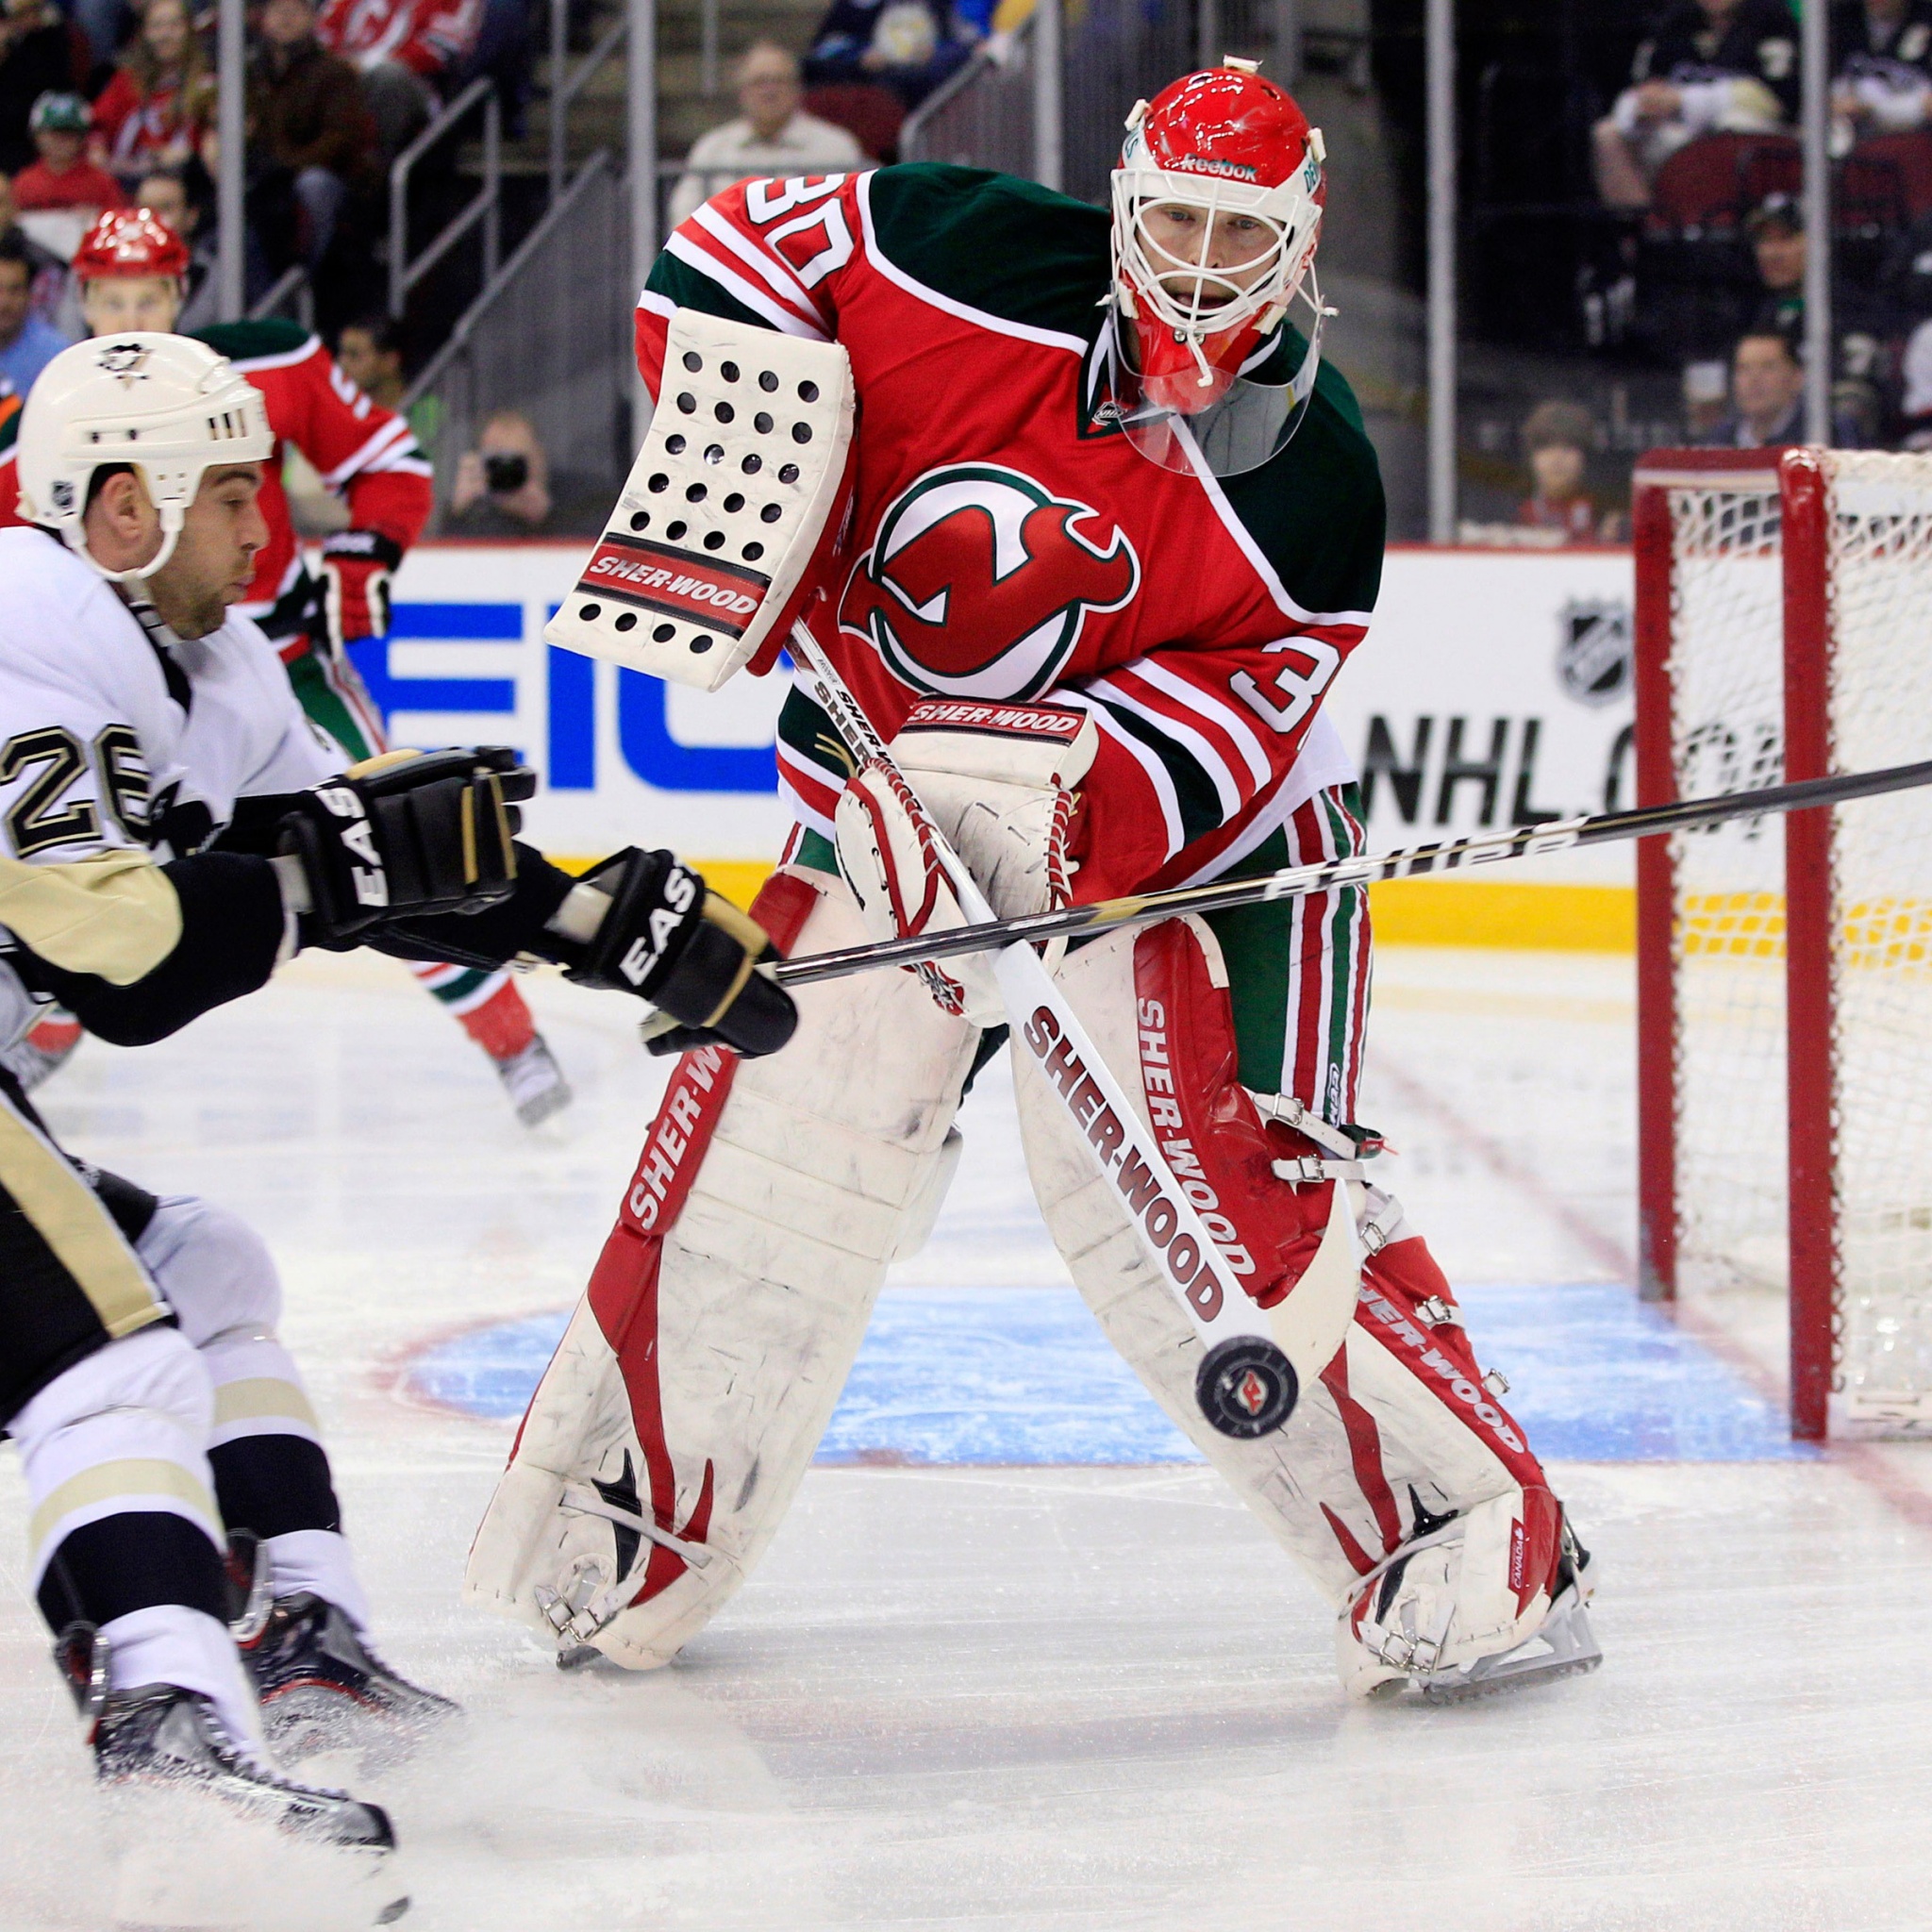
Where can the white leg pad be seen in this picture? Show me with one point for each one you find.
(1274, 1474)
(699, 1373)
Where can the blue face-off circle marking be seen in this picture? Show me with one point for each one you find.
(1004, 1376)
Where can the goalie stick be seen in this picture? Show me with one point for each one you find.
(1410, 861)
(1256, 1361)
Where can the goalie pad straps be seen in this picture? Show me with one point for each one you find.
(672, 1429)
(1401, 1427)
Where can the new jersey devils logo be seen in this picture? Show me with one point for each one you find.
(978, 582)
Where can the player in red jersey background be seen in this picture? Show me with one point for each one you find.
(131, 270)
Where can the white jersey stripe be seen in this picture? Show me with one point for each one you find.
(782, 282)
(740, 290)
(1210, 707)
(1190, 740)
(1157, 776)
(998, 324)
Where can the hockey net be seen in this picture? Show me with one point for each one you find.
(1785, 966)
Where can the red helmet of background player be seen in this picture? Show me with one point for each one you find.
(130, 241)
(1229, 144)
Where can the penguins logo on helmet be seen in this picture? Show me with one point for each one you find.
(125, 360)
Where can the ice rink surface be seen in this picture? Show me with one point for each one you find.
(1016, 1660)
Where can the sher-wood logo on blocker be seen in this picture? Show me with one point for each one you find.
(633, 570)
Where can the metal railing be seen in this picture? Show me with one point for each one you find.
(563, 93)
(486, 208)
(1002, 109)
(983, 116)
(291, 289)
(550, 337)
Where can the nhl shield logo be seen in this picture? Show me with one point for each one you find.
(979, 582)
(1593, 660)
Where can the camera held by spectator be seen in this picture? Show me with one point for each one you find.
(502, 485)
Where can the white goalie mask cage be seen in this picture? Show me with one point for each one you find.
(1203, 371)
(165, 405)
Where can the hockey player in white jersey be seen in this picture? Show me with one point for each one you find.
(156, 1410)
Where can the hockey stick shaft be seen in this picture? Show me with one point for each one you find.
(1412, 861)
(1187, 1261)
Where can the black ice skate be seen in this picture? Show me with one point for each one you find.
(322, 1689)
(159, 1735)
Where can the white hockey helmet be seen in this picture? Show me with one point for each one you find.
(166, 405)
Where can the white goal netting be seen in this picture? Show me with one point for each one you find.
(1727, 670)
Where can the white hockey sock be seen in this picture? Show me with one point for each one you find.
(318, 1560)
(168, 1643)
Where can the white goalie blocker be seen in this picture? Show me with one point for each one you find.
(740, 474)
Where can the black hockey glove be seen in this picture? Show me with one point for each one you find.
(407, 833)
(672, 941)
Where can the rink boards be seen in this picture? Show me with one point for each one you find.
(1493, 690)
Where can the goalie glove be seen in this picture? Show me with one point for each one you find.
(997, 782)
(356, 566)
(404, 834)
(643, 923)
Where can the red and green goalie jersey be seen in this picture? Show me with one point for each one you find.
(1002, 546)
(364, 453)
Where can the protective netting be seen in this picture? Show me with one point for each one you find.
(1727, 673)
(1880, 565)
(1727, 690)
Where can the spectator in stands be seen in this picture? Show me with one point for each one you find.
(369, 352)
(39, 54)
(1881, 65)
(908, 45)
(502, 485)
(63, 178)
(1558, 438)
(773, 135)
(311, 133)
(1710, 66)
(49, 270)
(159, 104)
(27, 341)
(505, 488)
(1859, 326)
(1916, 404)
(1768, 399)
(402, 49)
(163, 191)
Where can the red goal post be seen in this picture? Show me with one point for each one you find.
(1784, 631)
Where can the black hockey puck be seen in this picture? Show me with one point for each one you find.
(1246, 1386)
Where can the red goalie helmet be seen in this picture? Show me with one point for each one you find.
(1217, 206)
(130, 241)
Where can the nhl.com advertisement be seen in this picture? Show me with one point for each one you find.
(1493, 690)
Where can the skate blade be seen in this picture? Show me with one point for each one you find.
(183, 1866)
(1564, 1647)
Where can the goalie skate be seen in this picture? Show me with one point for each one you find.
(1457, 1612)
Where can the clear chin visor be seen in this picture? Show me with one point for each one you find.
(1247, 419)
